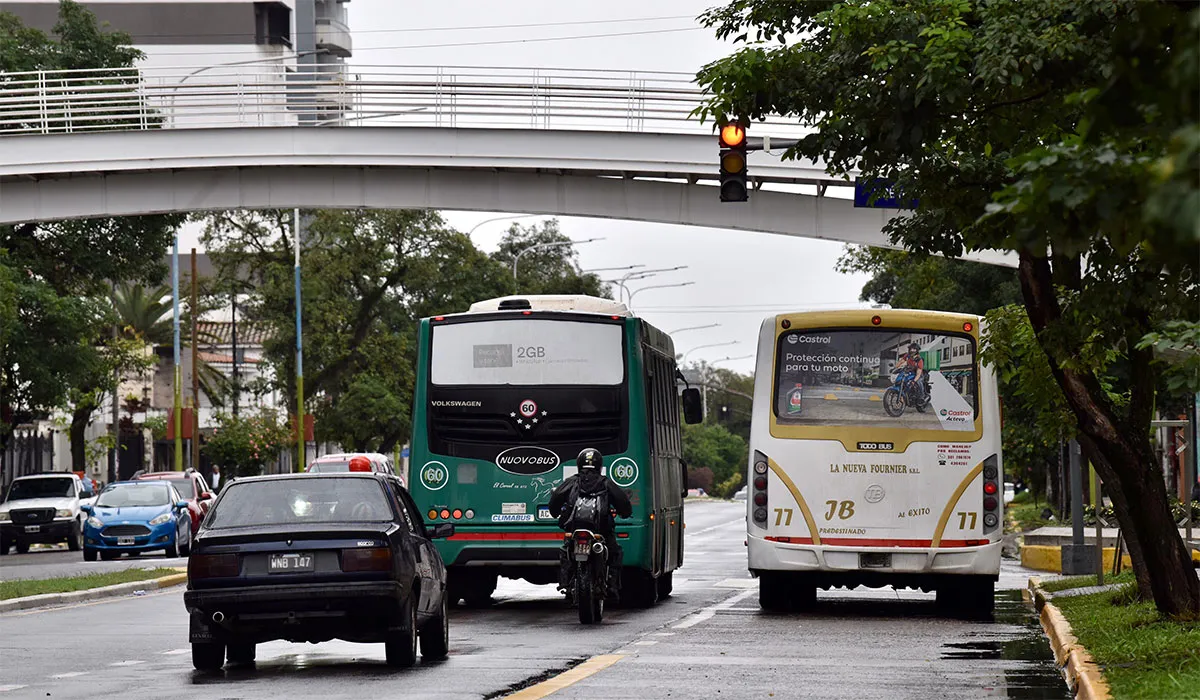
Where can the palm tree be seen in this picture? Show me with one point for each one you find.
(148, 315)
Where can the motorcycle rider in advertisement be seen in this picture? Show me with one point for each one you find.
(572, 502)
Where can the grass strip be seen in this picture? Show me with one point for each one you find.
(1062, 584)
(65, 584)
(1141, 654)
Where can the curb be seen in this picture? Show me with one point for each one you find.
(119, 589)
(1083, 676)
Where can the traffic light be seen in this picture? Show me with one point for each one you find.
(733, 163)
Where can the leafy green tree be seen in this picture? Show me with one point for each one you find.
(549, 264)
(1062, 130)
(57, 274)
(244, 445)
(713, 447)
(367, 278)
(907, 280)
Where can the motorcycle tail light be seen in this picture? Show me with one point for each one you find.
(367, 559)
(583, 536)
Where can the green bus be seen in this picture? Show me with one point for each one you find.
(507, 395)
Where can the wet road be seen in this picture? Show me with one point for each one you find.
(708, 640)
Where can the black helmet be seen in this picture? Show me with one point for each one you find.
(589, 458)
(914, 347)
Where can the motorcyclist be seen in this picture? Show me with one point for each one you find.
(589, 481)
(913, 363)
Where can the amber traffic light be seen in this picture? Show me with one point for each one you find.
(732, 143)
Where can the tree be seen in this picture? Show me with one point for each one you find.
(57, 274)
(367, 278)
(549, 269)
(713, 447)
(1062, 130)
(244, 445)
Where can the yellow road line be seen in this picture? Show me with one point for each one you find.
(791, 486)
(958, 492)
(567, 678)
(831, 397)
(875, 397)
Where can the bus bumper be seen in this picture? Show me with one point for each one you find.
(777, 556)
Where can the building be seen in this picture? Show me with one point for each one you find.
(188, 43)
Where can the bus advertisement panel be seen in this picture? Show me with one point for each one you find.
(876, 460)
(505, 401)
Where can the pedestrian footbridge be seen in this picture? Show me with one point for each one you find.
(603, 144)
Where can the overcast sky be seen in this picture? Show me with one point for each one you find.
(738, 278)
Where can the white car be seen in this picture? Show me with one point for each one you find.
(1010, 492)
(740, 495)
(44, 508)
(328, 464)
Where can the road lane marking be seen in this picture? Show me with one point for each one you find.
(711, 610)
(646, 643)
(69, 674)
(567, 678)
(173, 652)
(743, 583)
(127, 663)
(6, 688)
(718, 527)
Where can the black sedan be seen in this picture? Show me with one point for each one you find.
(314, 557)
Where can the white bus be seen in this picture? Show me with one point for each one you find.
(860, 474)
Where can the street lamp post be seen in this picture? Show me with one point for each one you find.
(612, 269)
(641, 275)
(499, 218)
(692, 328)
(540, 246)
(656, 286)
(710, 345)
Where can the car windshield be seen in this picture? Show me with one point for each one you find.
(134, 495)
(184, 487)
(52, 487)
(300, 501)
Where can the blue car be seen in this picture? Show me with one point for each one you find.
(137, 516)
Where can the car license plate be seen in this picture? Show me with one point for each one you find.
(583, 547)
(33, 528)
(124, 540)
(874, 560)
(289, 563)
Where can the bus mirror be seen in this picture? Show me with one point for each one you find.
(693, 408)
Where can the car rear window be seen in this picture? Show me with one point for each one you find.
(300, 501)
(329, 467)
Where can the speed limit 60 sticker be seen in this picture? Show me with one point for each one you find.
(623, 471)
(434, 475)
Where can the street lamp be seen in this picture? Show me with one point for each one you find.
(540, 246)
(611, 269)
(641, 275)
(656, 286)
(710, 345)
(692, 328)
(730, 359)
(499, 218)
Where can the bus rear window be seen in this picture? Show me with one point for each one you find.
(916, 379)
(527, 352)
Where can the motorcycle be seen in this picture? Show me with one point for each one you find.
(903, 393)
(588, 584)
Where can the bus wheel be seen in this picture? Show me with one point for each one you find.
(804, 595)
(665, 584)
(773, 593)
(638, 588)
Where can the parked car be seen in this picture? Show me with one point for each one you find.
(696, 493)
(740, 495)
(334, 463)
(137, 516)
(315, 557)
(1010, 492)
(44, 508)
(191, 486)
